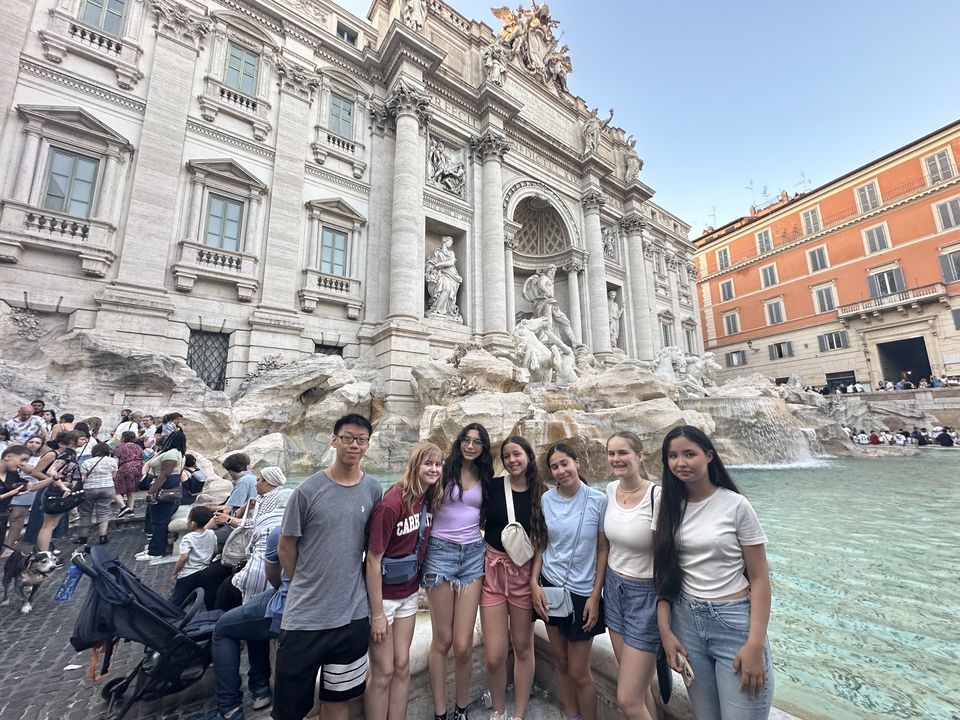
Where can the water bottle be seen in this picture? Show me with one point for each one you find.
(68, 587)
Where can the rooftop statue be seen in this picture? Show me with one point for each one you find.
(633, 162)
(414, 13)
(527, 35)
(592, 128)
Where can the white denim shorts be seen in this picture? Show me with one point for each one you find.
(394, 609)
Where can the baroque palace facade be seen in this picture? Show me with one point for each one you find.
(857, 280)
(226, 181)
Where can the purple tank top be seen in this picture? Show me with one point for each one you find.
(459, 517)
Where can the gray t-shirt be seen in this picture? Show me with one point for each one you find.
(328, 589)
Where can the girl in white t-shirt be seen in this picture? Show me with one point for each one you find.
(630, 600)
(708, 542)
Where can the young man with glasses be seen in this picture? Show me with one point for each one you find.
(326, 624)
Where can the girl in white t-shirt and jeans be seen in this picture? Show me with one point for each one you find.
(708, 541)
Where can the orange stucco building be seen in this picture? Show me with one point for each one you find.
(858, 279)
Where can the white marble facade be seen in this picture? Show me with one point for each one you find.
(280, 172)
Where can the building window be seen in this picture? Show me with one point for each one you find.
(825, 298)
(774, 311)
(876, 239)
(346, 34)
(811, 221)
(950, 266)
(768, 275)
(780, 350)
(207, 356)
(726, 290)
(939, 167)
(70, 183)
(886, 282)
(104, 14)
(949, 213)
(817, 259)
(341, 115)
(658, 263)
(321, 349)
(224, 223)
(723, 258)
(737, 357)
(833, 341)
(868, 197)
(689, 336)
(666, 333)
(333, 253)
(764, 241)
(242, 69)
(731, 323)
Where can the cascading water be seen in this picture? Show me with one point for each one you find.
(758, 431)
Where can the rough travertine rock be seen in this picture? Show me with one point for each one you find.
(625, 384)
(498, 413)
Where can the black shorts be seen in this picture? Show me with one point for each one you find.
(339, 654)
(571, 627)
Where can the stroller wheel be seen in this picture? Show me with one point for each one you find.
(114, 689)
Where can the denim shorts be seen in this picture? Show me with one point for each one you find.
(630, 610)
(713, 633)
(452, 562)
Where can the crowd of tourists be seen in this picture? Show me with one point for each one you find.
(333, 569)
(944, 436)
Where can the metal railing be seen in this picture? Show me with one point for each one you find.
(924, 293)
(96, 39)
(53, 225)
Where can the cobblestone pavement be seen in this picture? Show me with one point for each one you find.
(43, 678)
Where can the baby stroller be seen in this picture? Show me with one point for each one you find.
(120, 607)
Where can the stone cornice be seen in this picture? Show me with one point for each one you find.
(214, 134)
(593, 201)
(402, 44)
(492, 100)
(41, 69)
(179, 23)
(489, 144)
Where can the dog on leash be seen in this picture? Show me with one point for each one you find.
(26, 572)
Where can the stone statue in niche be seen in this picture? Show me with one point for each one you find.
(414, 13)
(443, 281)
(608, 238)
(633, 162)
(538, 289)
(495, 64)
(592, 129)
(615, 312)
(445, 172)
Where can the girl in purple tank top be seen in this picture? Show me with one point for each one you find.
(454, 564)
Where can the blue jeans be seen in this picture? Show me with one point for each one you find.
(160, 515)
(713, 633)
(452, 562)
(246, 622)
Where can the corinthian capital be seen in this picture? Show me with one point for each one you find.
(407, 97)
(177, 21)
(632, 224)
(489, 144)
(593, 200)
(296, 79)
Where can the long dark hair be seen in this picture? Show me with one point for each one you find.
(453, 464)
(177, 440)
(673, 505)
(566, 450)
(538, 526)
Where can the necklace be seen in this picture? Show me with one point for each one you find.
(643, 484)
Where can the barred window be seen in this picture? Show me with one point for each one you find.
(207, 357)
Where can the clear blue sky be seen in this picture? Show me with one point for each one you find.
(785, 96)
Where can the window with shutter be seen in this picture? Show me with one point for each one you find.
(876, 238)
(764, 241)
(949, 213)
(811, 221)
(939, 167)
(956, 319)
(950, 266)
(868, 197)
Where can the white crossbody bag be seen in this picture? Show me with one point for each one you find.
(513, 537)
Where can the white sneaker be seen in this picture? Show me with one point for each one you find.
(143, 555)
(496, 715)
(162, 559)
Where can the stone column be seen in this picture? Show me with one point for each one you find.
(509, 244)
(573, 293)
(632, 226)
(593, 201)
(192, 231)
(672, 270)
(649, 252)
(160, 154)
(281, 251)
(14, 30)
(408, 104)
(490, 147)
(28, 160)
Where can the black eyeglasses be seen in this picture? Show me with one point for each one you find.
(351, 439)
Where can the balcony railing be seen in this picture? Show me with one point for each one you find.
(901, 300)
(216, 265)
(319, 287)
(218, 97)
(96, 39)
(66, 34)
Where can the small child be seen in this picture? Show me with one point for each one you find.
(197, 549)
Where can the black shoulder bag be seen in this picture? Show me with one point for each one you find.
(397, 571)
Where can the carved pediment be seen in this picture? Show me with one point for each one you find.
(226, 169)
(72, 120)
(239, 22)
(337, 208)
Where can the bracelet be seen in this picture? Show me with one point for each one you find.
(378, 617)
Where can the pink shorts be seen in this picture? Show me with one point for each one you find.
(504, 582)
